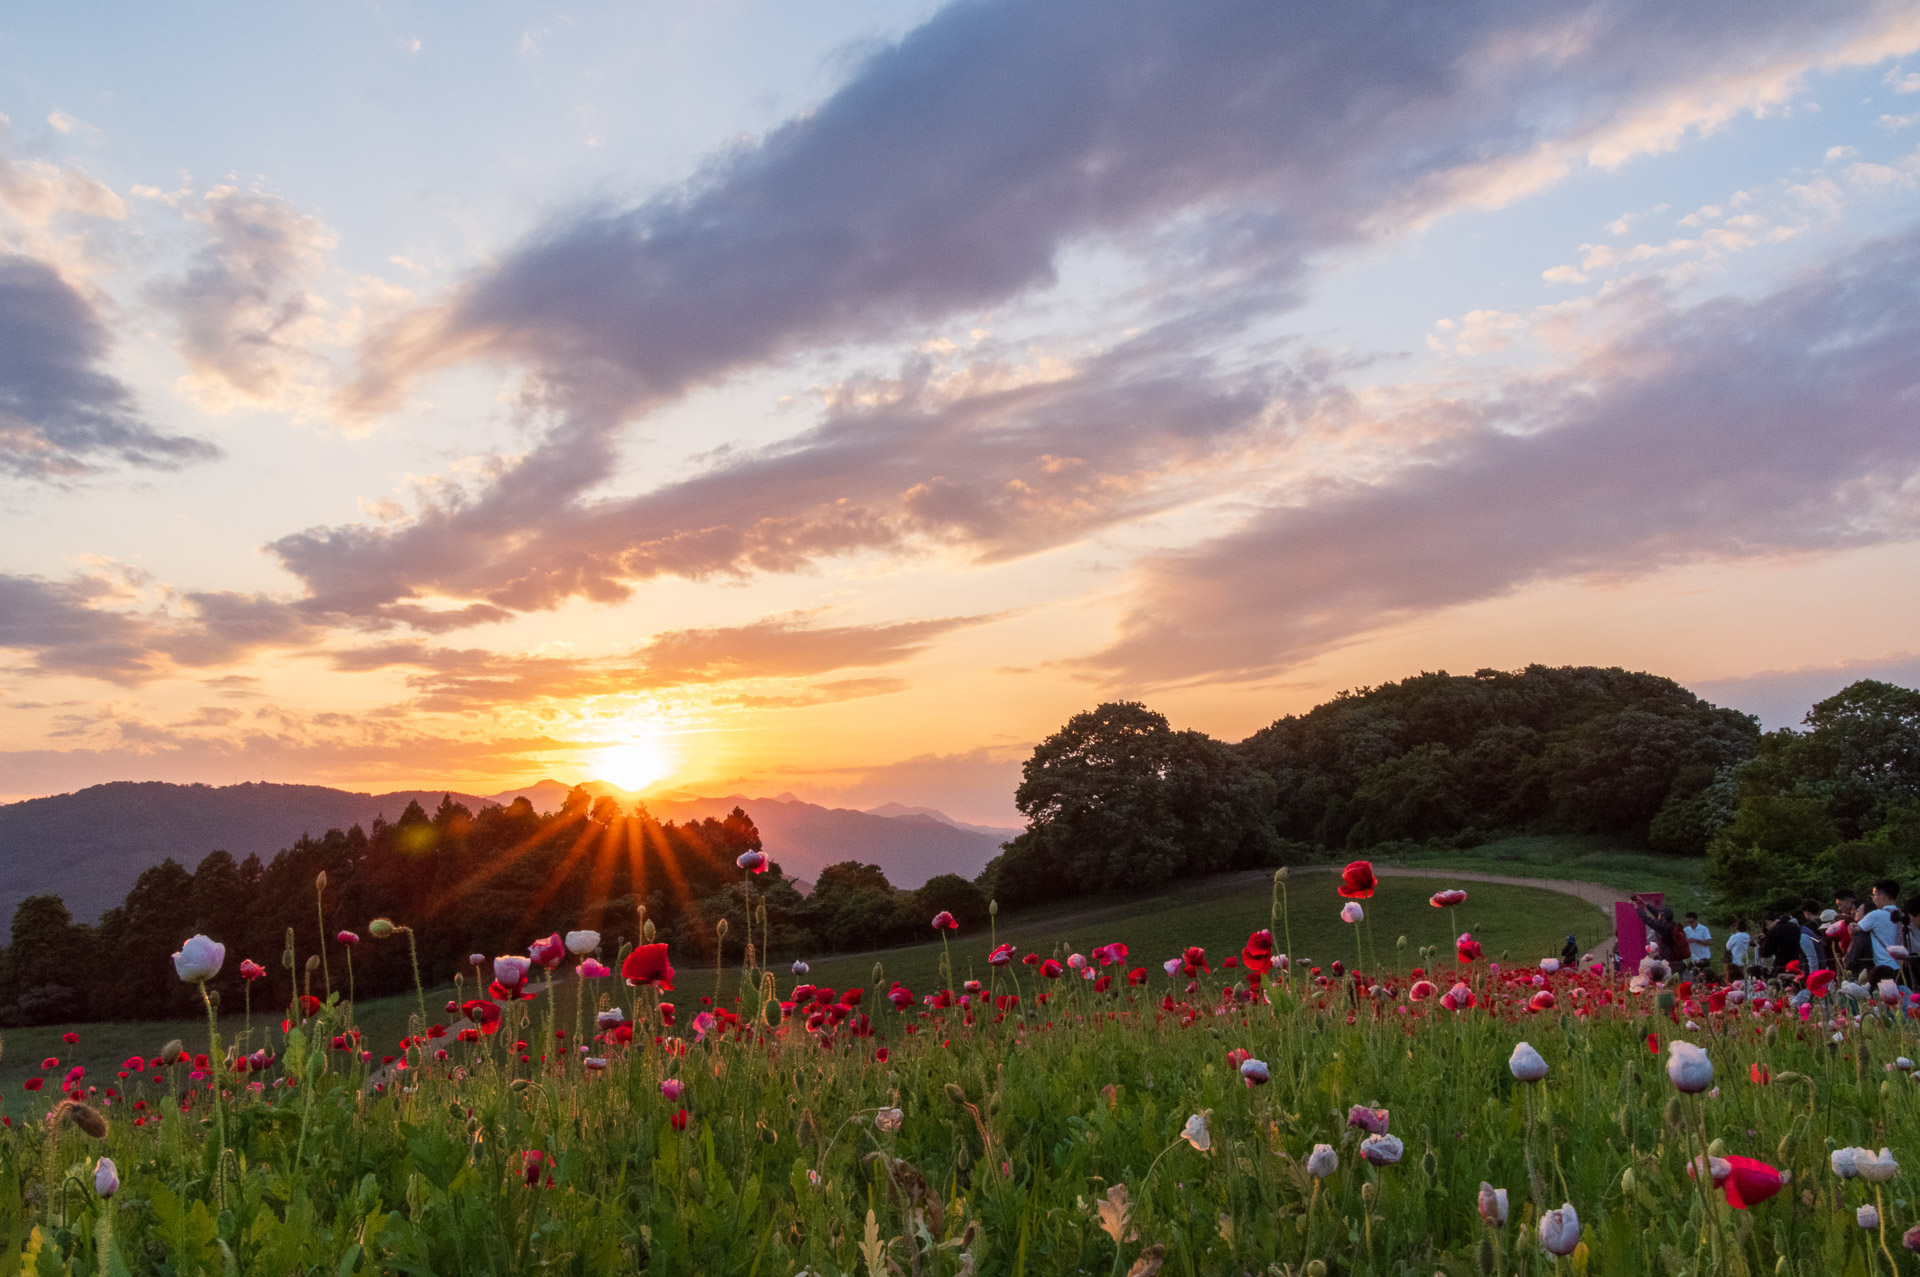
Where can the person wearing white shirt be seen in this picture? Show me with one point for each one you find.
(1739, 949)
(1699, 941)
(1886, 927)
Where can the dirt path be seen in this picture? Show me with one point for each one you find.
(1601, 898)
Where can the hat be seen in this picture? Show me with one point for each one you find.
(1828, 915)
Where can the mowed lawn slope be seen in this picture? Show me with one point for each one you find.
(1515, 924)
(1524, 923)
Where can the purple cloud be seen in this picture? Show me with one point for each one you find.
(948, 175)
(1733, 429)
(60, 415)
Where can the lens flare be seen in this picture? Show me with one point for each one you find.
(633, 764)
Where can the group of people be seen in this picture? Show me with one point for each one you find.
(1867, 940)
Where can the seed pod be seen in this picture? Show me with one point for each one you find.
(84, 1116)
(380, 928)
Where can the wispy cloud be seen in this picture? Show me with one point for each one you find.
(1732, 429)
(248, 324)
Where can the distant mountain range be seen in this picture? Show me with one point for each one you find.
(89, 846)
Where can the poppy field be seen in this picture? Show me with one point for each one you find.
(1031, 1110)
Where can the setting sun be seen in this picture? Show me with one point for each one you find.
(633, 764)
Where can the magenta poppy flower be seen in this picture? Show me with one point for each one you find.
(754, 862)
(592, 970)
(1001, 956)
(943, 921)
(549, 953)
(251, 970)
(348, 939)
(1447, 899)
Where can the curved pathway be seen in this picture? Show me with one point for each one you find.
(1600, 897)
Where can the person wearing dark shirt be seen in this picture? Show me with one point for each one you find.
(1666, 933)
(1569, 953)
(1781, 943)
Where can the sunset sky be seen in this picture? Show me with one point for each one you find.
(835, 397)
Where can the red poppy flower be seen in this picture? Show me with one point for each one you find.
(1031, 960)
(1541, 1001)
(647, 965)
(1194, 960)
(1051, 969)
(881, 1055)
(1447, 899)
(1137, 976)
(1751, 1182)
(679, 1120)
(1001, 956)
(1467, 950)
(33, 1083)
(1357, 881)
(70, 1038)
(900, 995)
(943, 921)
(1761, 1075)
(532, 1164)
(483, 1013)
(1819, 982)
(1258, 953)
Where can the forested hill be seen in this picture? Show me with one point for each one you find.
(1117, 797)
(1575, 749)
(89, 846)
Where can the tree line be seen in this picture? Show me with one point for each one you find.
(465, 882)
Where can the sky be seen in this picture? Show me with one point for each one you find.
(834, 398)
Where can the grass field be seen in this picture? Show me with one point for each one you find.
(1582, 857)
(1217, 913)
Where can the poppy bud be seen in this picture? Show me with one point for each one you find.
(320, 881)
(380, 928)
(647, 931)
(313, 963)
(993, 908)
(955, 1093)
(720, 928)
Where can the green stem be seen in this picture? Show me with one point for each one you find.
(320, 909)
(213, 1067)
